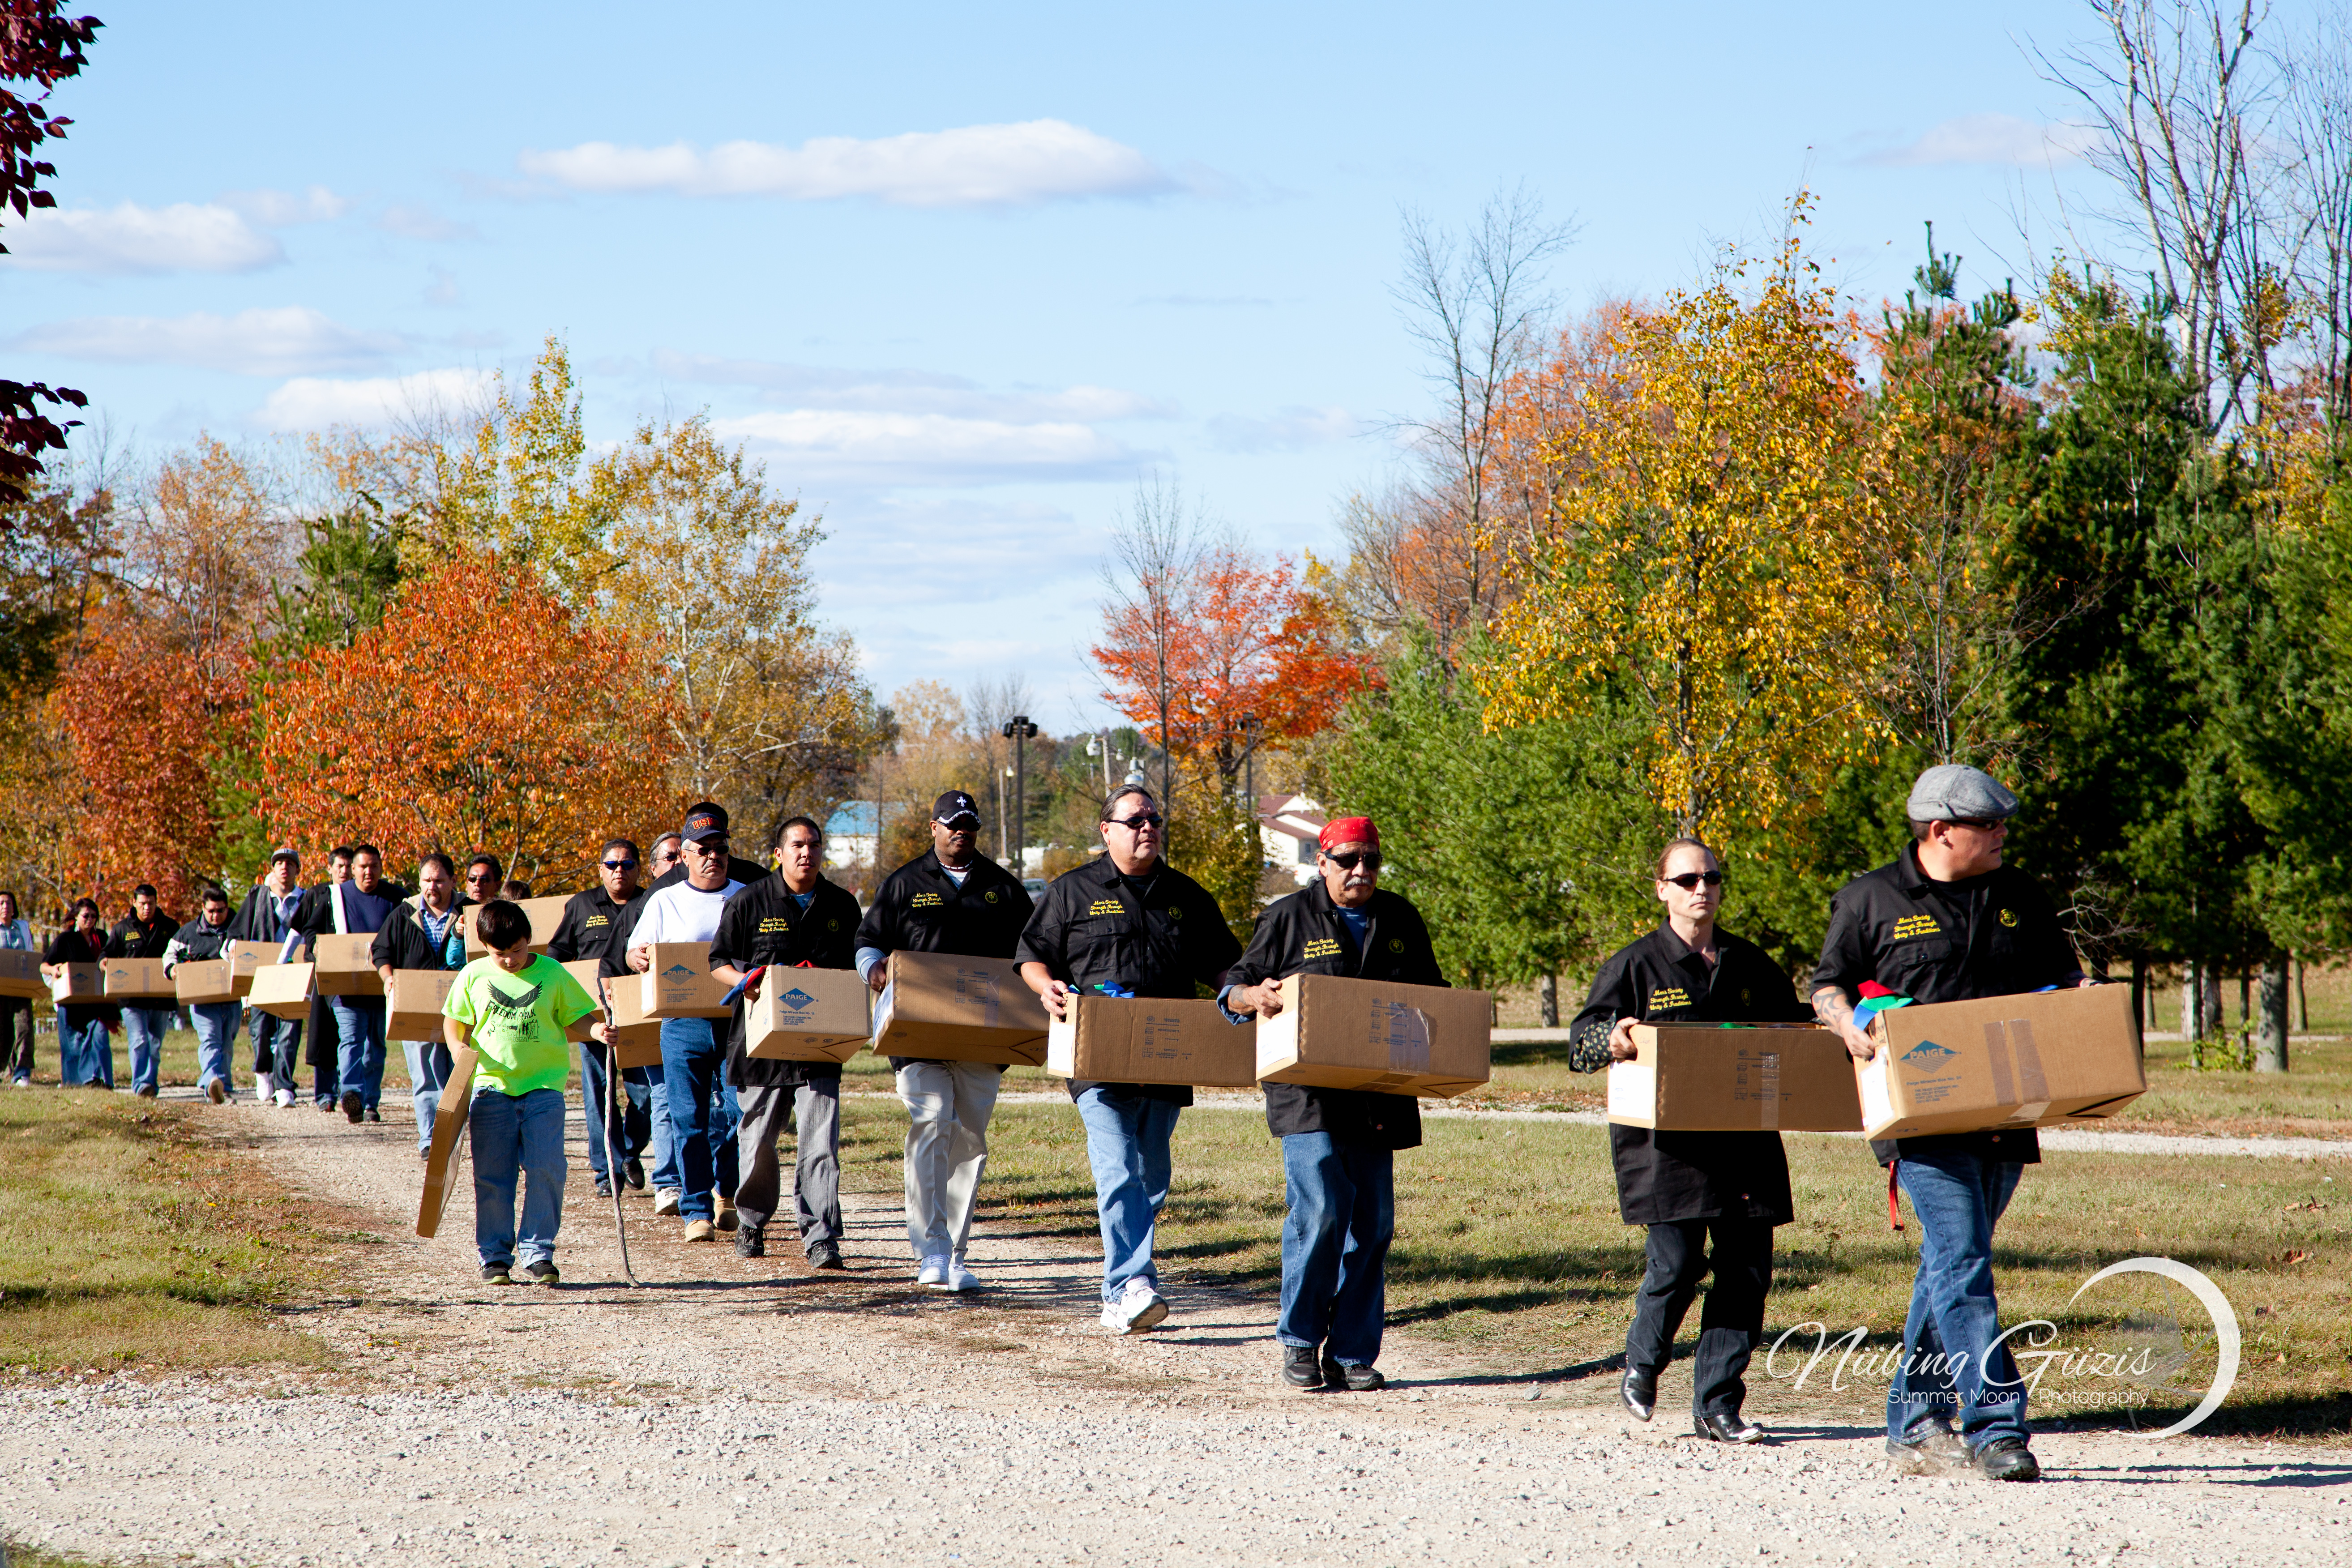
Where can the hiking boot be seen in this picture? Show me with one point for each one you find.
(496, 1274)
(1638, 1392)
(1729, 1427)
(727, 1219)
(543, 1272)
(2006, 1459)
(751, 1241)
(700, 1230)
(824, 1255)
(1301, 1367)
(1354, 1379)
(355, 1108)
(1933, 1449)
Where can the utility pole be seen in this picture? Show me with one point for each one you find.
(1020, 731)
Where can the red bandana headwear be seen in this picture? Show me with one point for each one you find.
(1349, 830)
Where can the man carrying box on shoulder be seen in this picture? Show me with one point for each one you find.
(1339, 1145)
(951, 898)
(513, 1009)
(1946, 922)
(427, 937)
(702, 1107)
(205, 940)
(145, 933)
(1127, 924)
(265, 915)
(592, 926)
(794, 919)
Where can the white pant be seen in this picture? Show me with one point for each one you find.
(948, 1106)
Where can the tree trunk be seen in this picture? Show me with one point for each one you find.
(2270, 1042)
(2215, 1026)
(2302, 997)
(2192, 1003)
(1549, 993)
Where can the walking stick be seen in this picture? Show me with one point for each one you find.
(615, 1156)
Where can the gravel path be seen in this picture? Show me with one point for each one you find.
(737, 1411)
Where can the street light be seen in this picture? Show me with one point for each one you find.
(1019, 731)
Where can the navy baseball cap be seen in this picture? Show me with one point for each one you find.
(704, 820)
(955, 803)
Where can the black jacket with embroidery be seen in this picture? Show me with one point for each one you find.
(1306, 935)
(1155, 935)
(764, 923)
(593, 926)
(131, 938)
(1994, 935)
(1666, 1176)
(920, 909)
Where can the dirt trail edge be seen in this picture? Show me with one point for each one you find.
(753, 1410)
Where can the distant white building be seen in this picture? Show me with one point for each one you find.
(849, 835)
(1288, 826)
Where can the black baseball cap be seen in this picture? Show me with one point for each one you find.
(952, 805)
(704, 820)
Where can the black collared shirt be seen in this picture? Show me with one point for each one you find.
(595, 926)
(1994, 935)
(1306, 935)
(919, 908)
(1667, 1176)
(764, 923)
(134, 938)
(1154, 935)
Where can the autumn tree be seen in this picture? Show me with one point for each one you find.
(482, 713)
(41, 47)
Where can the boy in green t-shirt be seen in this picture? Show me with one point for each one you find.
(512, 1009)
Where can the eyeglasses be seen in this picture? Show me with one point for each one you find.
(620, 864)
(1136, 824)
(1369, 859)
(483, 879)
(1690, 880)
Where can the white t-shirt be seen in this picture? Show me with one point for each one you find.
(681, 912)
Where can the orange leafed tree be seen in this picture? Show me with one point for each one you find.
(482, 714)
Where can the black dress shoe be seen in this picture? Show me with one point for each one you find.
(1639, 1391)
(1354, 1379)
(634, 1172)
(1729, 1427)
(1300, 1367)
(826, 1255)
(2008, 1459)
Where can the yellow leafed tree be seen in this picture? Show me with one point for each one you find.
(1699, 563)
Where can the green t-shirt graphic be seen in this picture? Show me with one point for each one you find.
(518, 1022)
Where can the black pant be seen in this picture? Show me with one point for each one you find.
(16, 1035)
(276, 1047)
(1732, 1319)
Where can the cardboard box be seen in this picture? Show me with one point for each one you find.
(949, 1007)
(1135, 1039)
(203, 984)
(245, 957)
(137, 980)
(637, 1039)
(1709, 1077)
(444, 1157)
(280, 990)
(20, 973)
(808, 1016)
(677, 983)
(545, 914)
(2003, 1061)
(78, 982)
(413, 1003)
(1334, 1032)
(342, 966)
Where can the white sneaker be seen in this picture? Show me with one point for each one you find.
(1139, 1308)
(934, 1272)
(265, 1087)
(285, 1099)
(666, 1200)
(959, 1278)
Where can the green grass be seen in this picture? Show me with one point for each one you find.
(128, 1239)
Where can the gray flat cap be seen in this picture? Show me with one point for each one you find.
(1950, 793)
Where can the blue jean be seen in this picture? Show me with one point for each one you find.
(1335, 1245)
(276, 1047)
(359, 1033)
(1127, 1144)
(1951, 1364)
(702, 1113)
(517, 1137)
(85, 1055)
(216, 1040)
(428, 1074)
(635, 1114)
(147, 1026)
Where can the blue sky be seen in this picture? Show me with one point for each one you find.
(969, 274)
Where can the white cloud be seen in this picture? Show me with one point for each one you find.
(908, 391)
(424, 223)
(926, 448)
(287, 341)
(312, 403)
(1990, 139)
(972, 165)
(1287, 431)
(279, 209)
(182, 237)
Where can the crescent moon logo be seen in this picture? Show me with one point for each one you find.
(2225, 1326)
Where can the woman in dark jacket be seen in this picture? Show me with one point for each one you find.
(1685, 1184)
(85, 1029)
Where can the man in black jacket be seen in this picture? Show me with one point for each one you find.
(951, 899)
(1946, 922)
(145, 933)
(205, 940)
(1337, 1145)
(1127, 924)
(322, 1049)
(265, 915)
(426, 937)
(361, 905)
(592, 928)
(793, 919)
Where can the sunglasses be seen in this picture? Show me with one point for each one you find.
(1136, 824)
(1690, 880)
(1368, 858)
(620, 864)
(1981, 823)
(966, 823)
